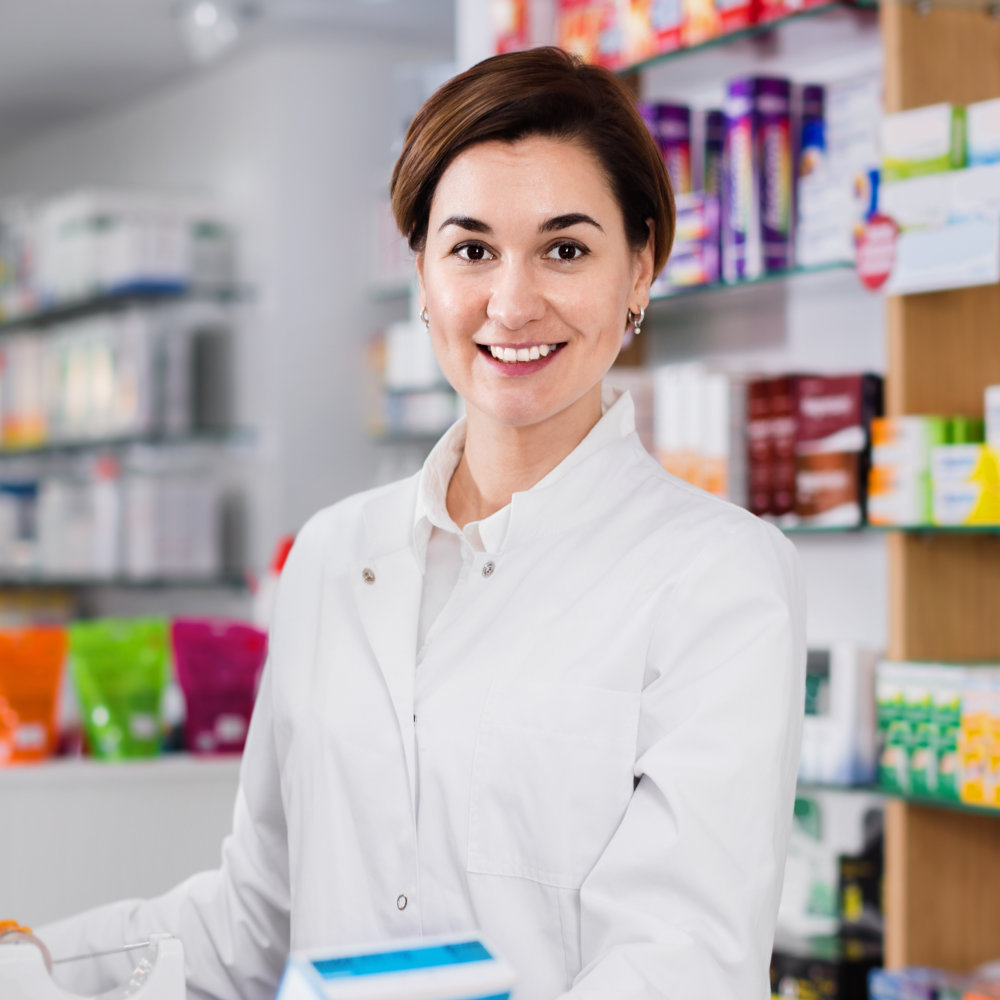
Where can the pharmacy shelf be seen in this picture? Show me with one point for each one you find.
(232, 437)
(167, 768)
(33, 581)
(753, 31)
(931, 801)
(131, 295)
(893, 529)
(728, 288)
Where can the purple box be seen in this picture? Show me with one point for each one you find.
(757, 188)
(673, 134)
(715, 141)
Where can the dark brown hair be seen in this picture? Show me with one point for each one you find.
(546, 92)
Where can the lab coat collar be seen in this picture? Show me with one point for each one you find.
(617, 422)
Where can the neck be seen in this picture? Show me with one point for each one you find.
(500, 460)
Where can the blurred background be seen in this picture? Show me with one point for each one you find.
(208, 332)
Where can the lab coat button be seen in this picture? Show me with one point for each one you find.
(488, 568)
(401, 902)
(368, 575)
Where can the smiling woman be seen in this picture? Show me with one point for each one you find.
(541, 690)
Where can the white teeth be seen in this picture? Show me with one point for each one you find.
(513, 355)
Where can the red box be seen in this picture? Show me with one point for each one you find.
(578, 28)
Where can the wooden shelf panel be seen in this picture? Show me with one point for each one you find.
(942, 597)
(943, 350)
(942, 887)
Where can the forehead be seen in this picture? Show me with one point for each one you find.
(538, 174)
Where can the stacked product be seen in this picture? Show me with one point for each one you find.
(930, 984)
(757, 190)
(91, 243)
(939, 730)
(120, 671)
(617, 33)
(96, 519)
(941, 190)
(808, 447)
(937, 470)
(837, 175)
(137, 372)
(694, 258)
(838, 734)
(699, 429)
(408, 394)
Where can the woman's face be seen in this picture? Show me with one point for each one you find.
(527, 278)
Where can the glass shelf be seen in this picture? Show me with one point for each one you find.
(204, 437)
(772, 278)
(30, 581)
(888, 529)
(749, 32)
(148, 293)
(931, 801)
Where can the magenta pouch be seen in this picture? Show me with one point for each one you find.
(218, 664)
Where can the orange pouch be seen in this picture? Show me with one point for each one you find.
(31, 668)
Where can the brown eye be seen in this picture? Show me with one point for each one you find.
(472, 251)
(567, 251)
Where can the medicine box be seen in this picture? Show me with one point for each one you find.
(433, 968)
(926, 140)
(983, 125)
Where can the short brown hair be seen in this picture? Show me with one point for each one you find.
(541, 91)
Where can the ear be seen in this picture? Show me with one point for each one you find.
(420, 279)
(643, 270)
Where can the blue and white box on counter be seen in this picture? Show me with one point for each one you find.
(431, 968)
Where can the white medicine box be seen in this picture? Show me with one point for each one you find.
(443, 968)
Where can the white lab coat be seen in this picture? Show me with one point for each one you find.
(629, 712)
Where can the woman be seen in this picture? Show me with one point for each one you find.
(542, 689)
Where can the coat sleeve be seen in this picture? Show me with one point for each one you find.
(683, 901)
(233, 921)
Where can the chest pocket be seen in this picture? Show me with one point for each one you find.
(552, 776)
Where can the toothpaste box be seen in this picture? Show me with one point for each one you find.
(833, 415)
(983, 132)
(928, 140)
(966, 484)
(445, 968)
(757, 195)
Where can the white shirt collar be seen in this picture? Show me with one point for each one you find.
(487, 535)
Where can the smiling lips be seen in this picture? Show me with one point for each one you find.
(515, 355)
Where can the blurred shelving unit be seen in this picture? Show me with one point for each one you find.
(942, 891)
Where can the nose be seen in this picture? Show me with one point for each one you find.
(516, 297)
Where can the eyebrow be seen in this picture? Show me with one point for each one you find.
(552, 225)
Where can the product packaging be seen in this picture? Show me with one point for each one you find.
(510, 23)
(983, 128)
(771, 436)
(712, 151)
(31, 670)
(892, 737)
(218, 665)
(824, 968)
(441, 968)
(757, 196)
(838, 736)
(966, 484)
(927, 140)
(694, 259)
(120, 670)
(673, 135)
(832, 452)
(578, 27)
(899, 481)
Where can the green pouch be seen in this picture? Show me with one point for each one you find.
(120, 670)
